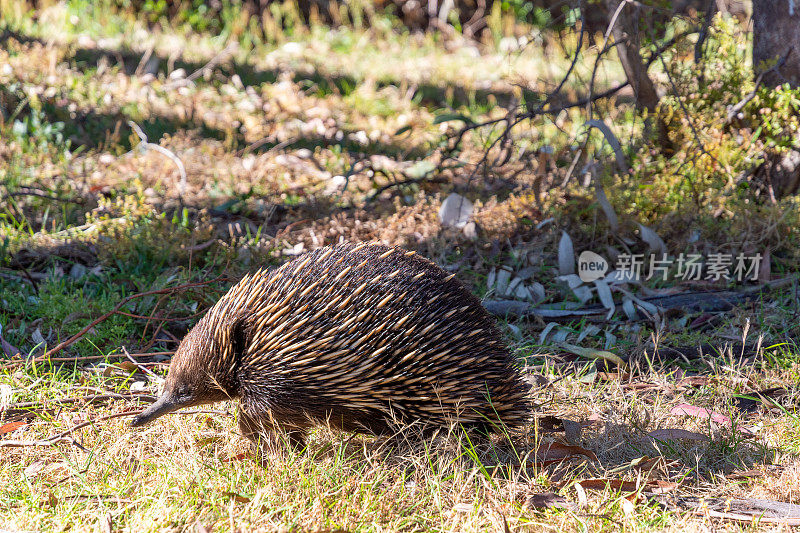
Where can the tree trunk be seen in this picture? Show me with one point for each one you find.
(776, 41)
(626, 32)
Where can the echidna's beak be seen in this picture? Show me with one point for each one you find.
(165, 404)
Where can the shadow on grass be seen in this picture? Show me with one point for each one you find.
(314, 81)
(619, 450)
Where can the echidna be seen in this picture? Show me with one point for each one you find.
(359, 337)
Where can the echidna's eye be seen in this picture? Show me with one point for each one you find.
(184, 392)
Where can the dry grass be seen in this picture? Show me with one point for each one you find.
(187, 471)
(324, 105)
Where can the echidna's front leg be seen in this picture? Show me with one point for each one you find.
(267, 437)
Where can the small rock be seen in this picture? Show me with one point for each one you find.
(177, 74)
(77, 271)
(248, 162)
(471, 231)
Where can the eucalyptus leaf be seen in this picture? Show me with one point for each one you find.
(455, 211)
(566, 255)
(652, 239)
(590, 353)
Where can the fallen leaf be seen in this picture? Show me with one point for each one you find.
(686, 409)
(549, 500)
(52, 500)
(750, 510)
(583, 500)
(652, 239)
(9, 349)
(604, 483)
(11, 426)
(572, 430)
(556, 451)
(659, 486)
(238, 457)
(593, 354)
(455, 211)
(566, 255)
(605, 205)
(655, 486)
(550, 423)
(677, 434)
(746, 474)
(238, 498)
(628, 507)
(34, 468)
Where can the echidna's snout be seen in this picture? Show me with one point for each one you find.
(166, 403)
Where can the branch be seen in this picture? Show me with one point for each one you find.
(61, 346)
(622, 163)
(65, 436)
(217, 59)
(144, 145)
(144, 369)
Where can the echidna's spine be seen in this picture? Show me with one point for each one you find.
(359, 331)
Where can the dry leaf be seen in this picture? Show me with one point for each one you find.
(455, 211)
(749, 510)
(238, 498)
(549, 500)
(605, 205)
(11, 426)
(566, 255)
(604, 293)
(583, 500)
(556, 451)
(656, 486)
(686, 409)
(677, 434)
(593, 354)
(572, 430)
(34, 468)
(628, 507)
(652, 239)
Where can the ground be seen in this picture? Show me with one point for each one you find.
(299, 141)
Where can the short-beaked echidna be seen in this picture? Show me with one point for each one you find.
(356, 336)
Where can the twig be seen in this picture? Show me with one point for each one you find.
(701, 39)
(163, 319)
(61, 346)
(147, 371)
(213, 62)
(65, 435)
(261, 142)
(40, 195)
(144, 145)
(29, 406)
(606, 35)
(99, 357)
(409, 181)
(143, 61)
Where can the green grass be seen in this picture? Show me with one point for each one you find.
(87, 219)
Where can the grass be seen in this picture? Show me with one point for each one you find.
(285, 144)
